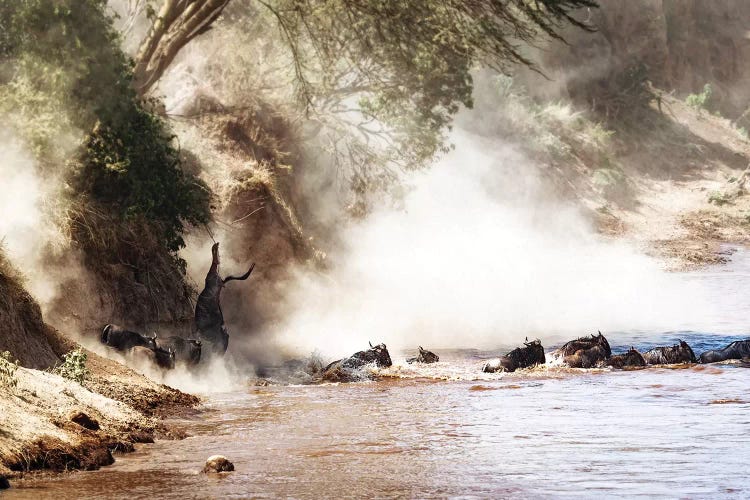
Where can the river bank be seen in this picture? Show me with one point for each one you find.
(50, 423)
(532, 434)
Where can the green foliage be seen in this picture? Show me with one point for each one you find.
(134, 168)
(702, 100)
(74, 366)
(8, 370)
(66, 73)
(407, 64)
(611, 182)
(718, 198)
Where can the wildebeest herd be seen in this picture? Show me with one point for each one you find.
(209, 329)
(586, 352)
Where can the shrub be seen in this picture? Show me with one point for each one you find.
(74, 366)
(700, 101)
(8, 370)
(718, 198)
(63, 72)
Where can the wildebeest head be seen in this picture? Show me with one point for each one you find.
(165, 358)
(380, 354)
(426, 356)
(151, 342)
(532, 353)
(687, 352)
(602, 341)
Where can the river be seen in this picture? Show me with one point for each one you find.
(447, 430)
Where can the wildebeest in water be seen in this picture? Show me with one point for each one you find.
(678, 353)
(739, 349)
(630, 359)
(424, 356)
(531, 354)
(209, 320)
(585, 352)
(345, 370)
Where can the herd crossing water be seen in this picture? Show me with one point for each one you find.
(447, 429)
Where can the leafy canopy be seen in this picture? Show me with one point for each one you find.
(62, 69)
(407, 64)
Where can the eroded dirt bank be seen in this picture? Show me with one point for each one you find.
(51, 423)
(48, 422)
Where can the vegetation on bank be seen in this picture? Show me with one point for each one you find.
(65, 74)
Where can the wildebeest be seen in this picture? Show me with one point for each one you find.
(678, 353)
(163, 358)
(123, 340)
(531, 354)
(424, 356)
(584, 352)
(738, 349)
(186, 351)
(346, 370)
(209, 320)
(629, 359)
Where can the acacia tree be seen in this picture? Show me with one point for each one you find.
(176, 24)
(370, 34)
(382, 78)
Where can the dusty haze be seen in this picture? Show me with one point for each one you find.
(478, 256)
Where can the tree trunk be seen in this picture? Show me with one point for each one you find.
(178, 22)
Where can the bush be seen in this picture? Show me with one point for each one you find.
(8, 370)
(63, 72)
(131, 166)
(700, 101)
(74, 366)
(718, 198)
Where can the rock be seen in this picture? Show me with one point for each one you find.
(83, 420)
(4, 484)
(218, 463)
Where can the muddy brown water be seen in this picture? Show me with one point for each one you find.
(447, 431)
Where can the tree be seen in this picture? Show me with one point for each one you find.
(176, 24)
(383, 78)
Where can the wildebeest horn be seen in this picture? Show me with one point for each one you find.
(241, 278)
(369, 342)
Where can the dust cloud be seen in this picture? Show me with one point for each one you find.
(479, 255)
(29, 235)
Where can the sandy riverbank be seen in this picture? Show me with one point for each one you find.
(50, 423)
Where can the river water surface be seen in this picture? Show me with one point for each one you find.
(448, 431)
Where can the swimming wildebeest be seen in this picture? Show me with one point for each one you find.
(346, 370)
(424, 357)
(124, 340)
(678, 353)
(531, 354)
(629, 359)
(209, 320)
(163, 358)
(585, 352)
(736, 350)
(186, 351)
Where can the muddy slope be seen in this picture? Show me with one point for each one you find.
(22, 330)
